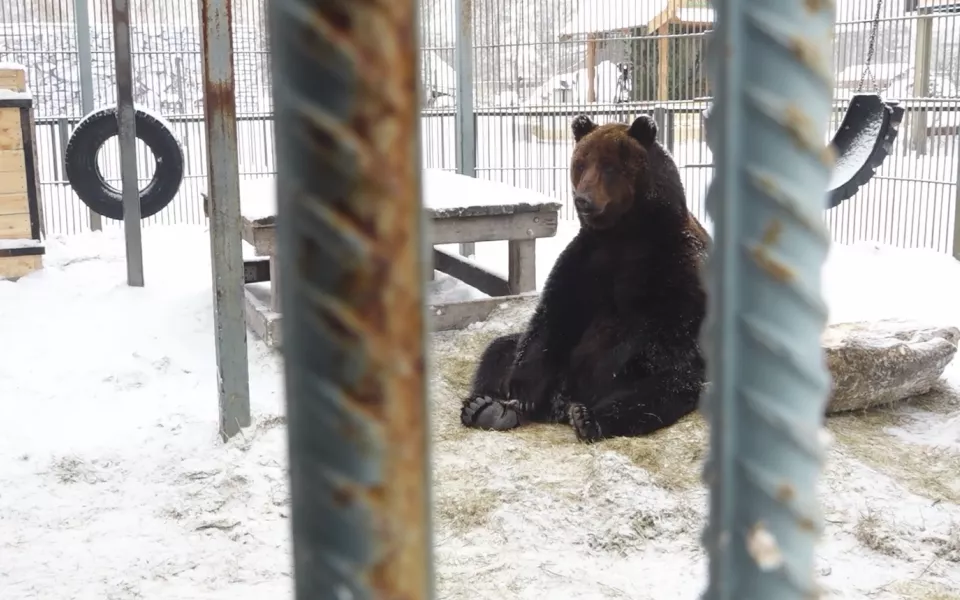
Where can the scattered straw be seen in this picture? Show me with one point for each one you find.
(925, 590)
(872, 532)
(924, 470)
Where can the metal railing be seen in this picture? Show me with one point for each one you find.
(528, 63)
(910, 203)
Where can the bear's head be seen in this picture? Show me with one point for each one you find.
(620, 173)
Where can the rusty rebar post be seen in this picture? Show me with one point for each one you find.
(350, 254)
(770, 60)
(226, 254)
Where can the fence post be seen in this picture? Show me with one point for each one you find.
(956, 207)
(85, 59)
(127, 124)
(664, 117)
(771, 64)
(351, 255)
(465, 127)
(922, 58)
(223, 176)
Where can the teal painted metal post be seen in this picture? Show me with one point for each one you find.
(771, 72)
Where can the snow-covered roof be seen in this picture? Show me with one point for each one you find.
(437, 73)
(883, 72)
(602, 16)
(599, 16)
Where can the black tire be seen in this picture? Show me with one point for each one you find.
(88, 182)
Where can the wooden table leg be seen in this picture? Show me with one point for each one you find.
(274, 284)
(522, 268)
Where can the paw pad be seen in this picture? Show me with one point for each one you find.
(484, 412)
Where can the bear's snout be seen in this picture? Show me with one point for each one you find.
(584, 203)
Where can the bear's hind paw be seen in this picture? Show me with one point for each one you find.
(584, 425)
(483, 412)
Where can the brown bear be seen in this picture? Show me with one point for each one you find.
(612, 347)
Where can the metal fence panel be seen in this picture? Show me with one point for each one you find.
(535, 64)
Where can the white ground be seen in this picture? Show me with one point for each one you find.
(113, 483)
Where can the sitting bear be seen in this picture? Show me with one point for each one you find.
(612, 347)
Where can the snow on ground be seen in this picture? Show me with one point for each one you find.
(113, 483)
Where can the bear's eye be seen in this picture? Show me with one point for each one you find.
(609, 171)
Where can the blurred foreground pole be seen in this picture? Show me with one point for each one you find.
(127, 138)
(349, 237)
(772, 79)
(226, 252)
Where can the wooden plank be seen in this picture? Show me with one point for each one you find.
(256, 271)
(14, 267)
(263, 238)
(12, 161)
(21, 247)
(490, 210)
(592, 68)
(15, 203)
(491, 229)
(457, 315)
(264, 322)
(14, 79)
(13, 182)
(274, 284)
(470, 273)
(32, 171)
(663, 62)
(522, 265)
(11, 130)
(15, 226)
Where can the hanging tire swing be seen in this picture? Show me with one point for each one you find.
(87, 180)
(866, 134)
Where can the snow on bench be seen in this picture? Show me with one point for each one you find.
(446, 195)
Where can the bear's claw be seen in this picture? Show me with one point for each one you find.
(584, 424)
(484, 412)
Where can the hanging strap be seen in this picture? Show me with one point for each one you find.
(871, 50)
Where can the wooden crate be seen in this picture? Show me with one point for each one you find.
(21, 250)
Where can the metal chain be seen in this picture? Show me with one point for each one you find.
(871, 49)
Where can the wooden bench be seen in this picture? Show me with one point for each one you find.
(460, 210)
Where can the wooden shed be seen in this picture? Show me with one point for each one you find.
(597, 19)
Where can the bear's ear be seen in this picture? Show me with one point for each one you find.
(581, 126)
(644, 130)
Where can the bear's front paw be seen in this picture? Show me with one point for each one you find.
(484, 412)
(584, 424)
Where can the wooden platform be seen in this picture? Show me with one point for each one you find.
(460, 210)
(21, 249)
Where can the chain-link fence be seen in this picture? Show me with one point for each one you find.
(534, 64)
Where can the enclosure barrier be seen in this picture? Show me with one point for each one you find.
(771, 67)
(349, 223)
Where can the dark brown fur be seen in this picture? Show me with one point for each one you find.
(612, 348)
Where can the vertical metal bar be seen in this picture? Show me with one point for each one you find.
(60, 167)
(771, 64)
(220, 122)
(465, 123)
(350, 225)
(956, 205)
(922, 59)
(126, 120)
(82, 24)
